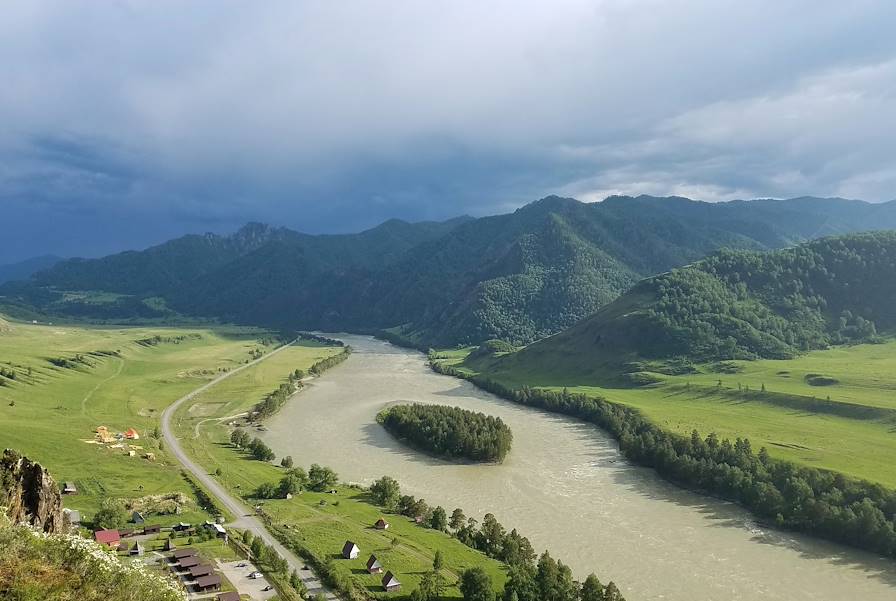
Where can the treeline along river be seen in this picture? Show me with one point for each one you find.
(565, 485)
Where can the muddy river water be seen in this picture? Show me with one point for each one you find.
(565, 486)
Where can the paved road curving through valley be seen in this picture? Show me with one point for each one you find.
(244, 518)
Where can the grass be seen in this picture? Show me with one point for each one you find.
(323, 522)
(852, 432)
(322, 528)
(47, 412)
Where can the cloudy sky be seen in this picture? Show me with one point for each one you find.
(125, 123)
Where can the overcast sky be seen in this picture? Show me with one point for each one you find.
(126, 123)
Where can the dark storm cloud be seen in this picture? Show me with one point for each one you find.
(122, 124)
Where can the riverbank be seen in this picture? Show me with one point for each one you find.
(566, 487)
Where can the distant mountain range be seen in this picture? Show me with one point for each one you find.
(518, 277)
(24, 269)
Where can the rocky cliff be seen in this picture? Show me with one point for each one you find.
(29, 493)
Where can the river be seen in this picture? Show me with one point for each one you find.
(565, 486)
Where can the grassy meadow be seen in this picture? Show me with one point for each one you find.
(831, 409)
(70, 379)
(320, 522)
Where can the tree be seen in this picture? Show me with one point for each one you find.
(439, 582)
(592, 589)
(286, 462)
(240, 438)
(386, 492)
(427, 589)
(290, 484)
(476, 585)
(298, 586)
(258, 549)
(457, 519)
(611, 593)
(266, 490)
(321, 478)
(247, 537)
(439, 519)
(111, 515)
(437, 561)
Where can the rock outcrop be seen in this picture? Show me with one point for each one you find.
(29, 493)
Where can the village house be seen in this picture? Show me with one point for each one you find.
(201, 570)
(69, 489)
(207, 584)
(181, 553)
(229, 596)
(350, 550)
(391, 583)
(181, 527)
(374, 566)
(381, 524)
(131, 434)
(137, 517)
(110, 538)
(151, 529)
(188, 562)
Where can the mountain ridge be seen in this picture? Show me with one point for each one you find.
(519, 276)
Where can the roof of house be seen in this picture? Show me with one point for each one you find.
(137, 545)
(348, 547)
(181, 553)
(151, 529)
(373, 562)
(390, 580)
(208, 581)
(382, 521)
(69, 486)
(106, 537)
(229, 596)
(189, 562)
(201, 570)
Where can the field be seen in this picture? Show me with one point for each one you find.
(322, 522)
(832, 409)
(70, 379)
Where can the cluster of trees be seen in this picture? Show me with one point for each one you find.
(8, 372)
(324, 364)
(255, 446)
(449, 431)
(268, 556)
(275, 400)
(530, 580)
(321, 339)
(318, 478)
(744, 305)
(822, 503)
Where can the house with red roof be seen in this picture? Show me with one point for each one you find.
(110, 538)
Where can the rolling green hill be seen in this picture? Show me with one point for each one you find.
(733, 305)
(518, 277)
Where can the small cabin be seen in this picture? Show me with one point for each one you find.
(209, 583)
(229, 596)
(69, 489)
(188, 562)
(391, 583)
(151, 529)
(381, 524)
(131, 434)
(181, 527)
(138, 549)
(374, 566)
(201, 570)
(137, 517)
(350, 550)
(181, 553)
(109, 538)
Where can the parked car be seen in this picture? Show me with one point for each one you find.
(255, 575)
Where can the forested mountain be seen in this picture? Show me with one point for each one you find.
(738, 304)
(517, 277)
(24, 269)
